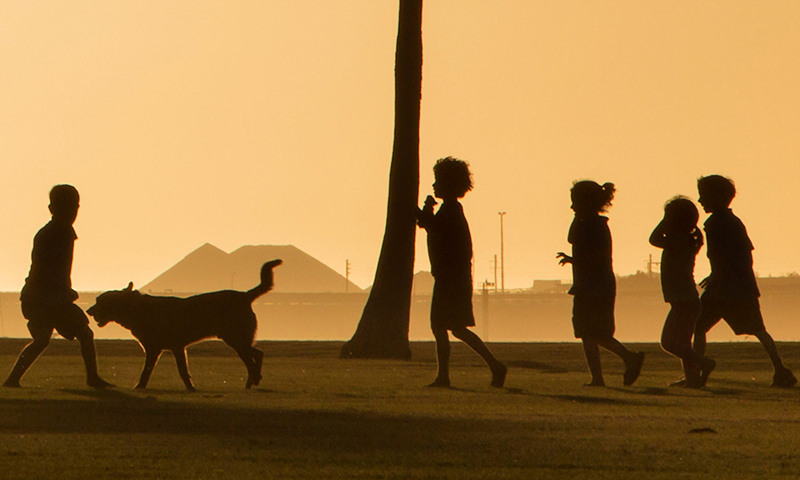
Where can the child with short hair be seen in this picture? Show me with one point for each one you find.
(677, 234)
(594, 286)
(731, 292)
(48, 298)
(450, 252)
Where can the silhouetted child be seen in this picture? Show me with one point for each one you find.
(48, 298)
(594, 287)
(450, 252)
(731, 292)
(677, 234)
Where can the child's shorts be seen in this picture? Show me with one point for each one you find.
(743, 317)
(67, 319)
(593, 316)
(451, 305)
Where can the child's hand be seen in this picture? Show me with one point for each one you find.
(425, 214)
(427, 209)
(564, 258)
(704, 282)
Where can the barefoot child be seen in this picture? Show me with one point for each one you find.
(47, 297)
(677, 234)
(450, 252)
(594, 287)
(731, 292)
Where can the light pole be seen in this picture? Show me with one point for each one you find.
(502, 257)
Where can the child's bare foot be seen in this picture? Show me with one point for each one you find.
(633, 369)
(783, 378)
(440, 383)
(12, 384)
(499, 375)
(595, 383)
(692, 376)
(678, 383)
(705, 370)
(99, 383)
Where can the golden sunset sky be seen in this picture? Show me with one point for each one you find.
(270, 122)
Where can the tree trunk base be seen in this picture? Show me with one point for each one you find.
(375, 350)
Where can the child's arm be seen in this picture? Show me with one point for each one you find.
(425, 214)
(658, 237)
(697, 239)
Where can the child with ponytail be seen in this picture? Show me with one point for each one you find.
(593, 284)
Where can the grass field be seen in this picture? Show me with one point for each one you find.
(315, 416)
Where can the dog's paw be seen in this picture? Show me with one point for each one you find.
(252, 381)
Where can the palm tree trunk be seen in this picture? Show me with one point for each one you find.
(383, 329)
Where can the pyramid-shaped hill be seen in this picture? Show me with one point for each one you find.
(208, 269)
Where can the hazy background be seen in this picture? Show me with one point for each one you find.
(270, 122)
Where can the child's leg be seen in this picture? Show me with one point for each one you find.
(710, 315)
(676, 339)
(592, 352)
(633, 361)
(700, 341)
(614, 346)
(29, 354)
(89, 354)
(783, 376)
(772, 350)
(442, 357)
(475, 343)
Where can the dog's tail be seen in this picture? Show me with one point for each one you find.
(266, 280)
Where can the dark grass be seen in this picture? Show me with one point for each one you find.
(316, 416)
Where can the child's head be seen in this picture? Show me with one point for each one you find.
(680, 215)
(716, 192)
(64, 202)
(589, 198)
(453, 178)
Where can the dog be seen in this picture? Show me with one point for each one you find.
(173, 323)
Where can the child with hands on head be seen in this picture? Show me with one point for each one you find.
(677, 234)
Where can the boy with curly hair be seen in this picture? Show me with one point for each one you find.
(450, 252)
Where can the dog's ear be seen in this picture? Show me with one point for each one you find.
(130, 287)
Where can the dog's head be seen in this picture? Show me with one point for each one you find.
(112, 306)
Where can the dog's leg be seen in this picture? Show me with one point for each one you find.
(151, 358)
(258, 356)
(252, 358)
(183, 367)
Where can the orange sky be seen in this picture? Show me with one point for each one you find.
(267, 122)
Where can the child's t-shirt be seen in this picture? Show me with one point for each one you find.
(592, 270)
(49, 279)
(730, 253)
(449, 243)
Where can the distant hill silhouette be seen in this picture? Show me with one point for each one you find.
(208, 269)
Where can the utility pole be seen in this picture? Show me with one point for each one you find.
(346, 276)
(485, 309)
(502, 257)
(495, 273)
(650, 264)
